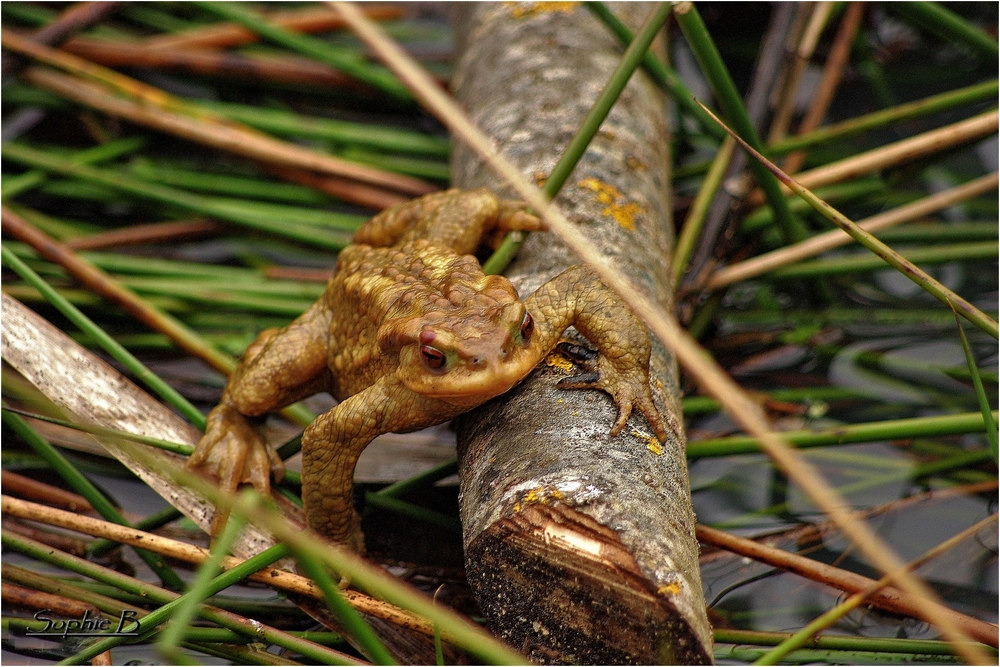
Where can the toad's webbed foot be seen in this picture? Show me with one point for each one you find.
(628, 384)
(234, 451)
(577, 297)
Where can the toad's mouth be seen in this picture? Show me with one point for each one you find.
(472, 387)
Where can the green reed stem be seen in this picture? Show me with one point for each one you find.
(980, 92)
(286, 123)
(761, 218)
(169, 644)
(375, 581)
(695, 219)
(895, 429)
(695, 405)
(410, 166)
(79, 483)
(729, 99)
(116, 612)
(349, 62)
(881, 644)
(109, 344)
(256, 217)
(353, 623)
(588, 128)
(977, 382)
(833, 657)
(948, 26)
(226, 184)
(252, 629)
(666, 77)
(891, 257)
(15, 185)
(858, 262)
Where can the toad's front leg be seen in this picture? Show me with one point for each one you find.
(332, 444)
(577, 297)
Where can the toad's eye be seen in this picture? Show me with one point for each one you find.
(527, 327)
(433, 357)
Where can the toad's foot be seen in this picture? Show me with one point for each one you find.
(234, 451)
(628, 385)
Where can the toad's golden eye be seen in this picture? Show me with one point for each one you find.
(527, 327)
(433, 357)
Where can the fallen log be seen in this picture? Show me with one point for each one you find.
(579, 547)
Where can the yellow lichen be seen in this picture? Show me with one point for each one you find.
(653, 445)
(669, 589)
(557, 360)
(616, 206)
(520, 10)
(541, 495)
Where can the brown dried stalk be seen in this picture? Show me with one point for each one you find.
(25, 487)
(224, 135)
(157, 232)
(835, 238)
(76, 17)
(283, 69)
(800, 57)
(220, 35)
(833, 71)
(156, 108)
(889, 599)
(29, 598)
(189, 553)
(893, 154)
(103, 284)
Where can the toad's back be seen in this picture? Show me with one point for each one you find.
(374, 289)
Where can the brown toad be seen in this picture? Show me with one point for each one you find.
(410, 333)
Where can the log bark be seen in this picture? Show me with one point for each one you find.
(580, 547)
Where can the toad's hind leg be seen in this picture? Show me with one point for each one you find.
(280, 367)
(454, 219)
(332, 444)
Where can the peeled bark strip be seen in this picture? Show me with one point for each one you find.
(580, 547)
(93, 392)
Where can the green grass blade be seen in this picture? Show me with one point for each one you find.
(588, 128)
(286, 123)
(695, 219)
(225, 209)
(169, 644)
(711, 64)
(949, 26)
(354, 624)
(109, 344)
(891, 257)
(664, 76)
(11, 187)
(857, 262)
(989, 423)
(348, 62)
(894, 429)
(83, 486)
(980, 92)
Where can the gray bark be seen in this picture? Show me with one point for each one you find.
(580, 547)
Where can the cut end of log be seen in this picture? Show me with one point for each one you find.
(562, 588)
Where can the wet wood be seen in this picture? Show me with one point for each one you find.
(580, 547)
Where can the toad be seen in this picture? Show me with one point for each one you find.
(410, 333)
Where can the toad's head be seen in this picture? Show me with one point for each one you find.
(468, 346)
